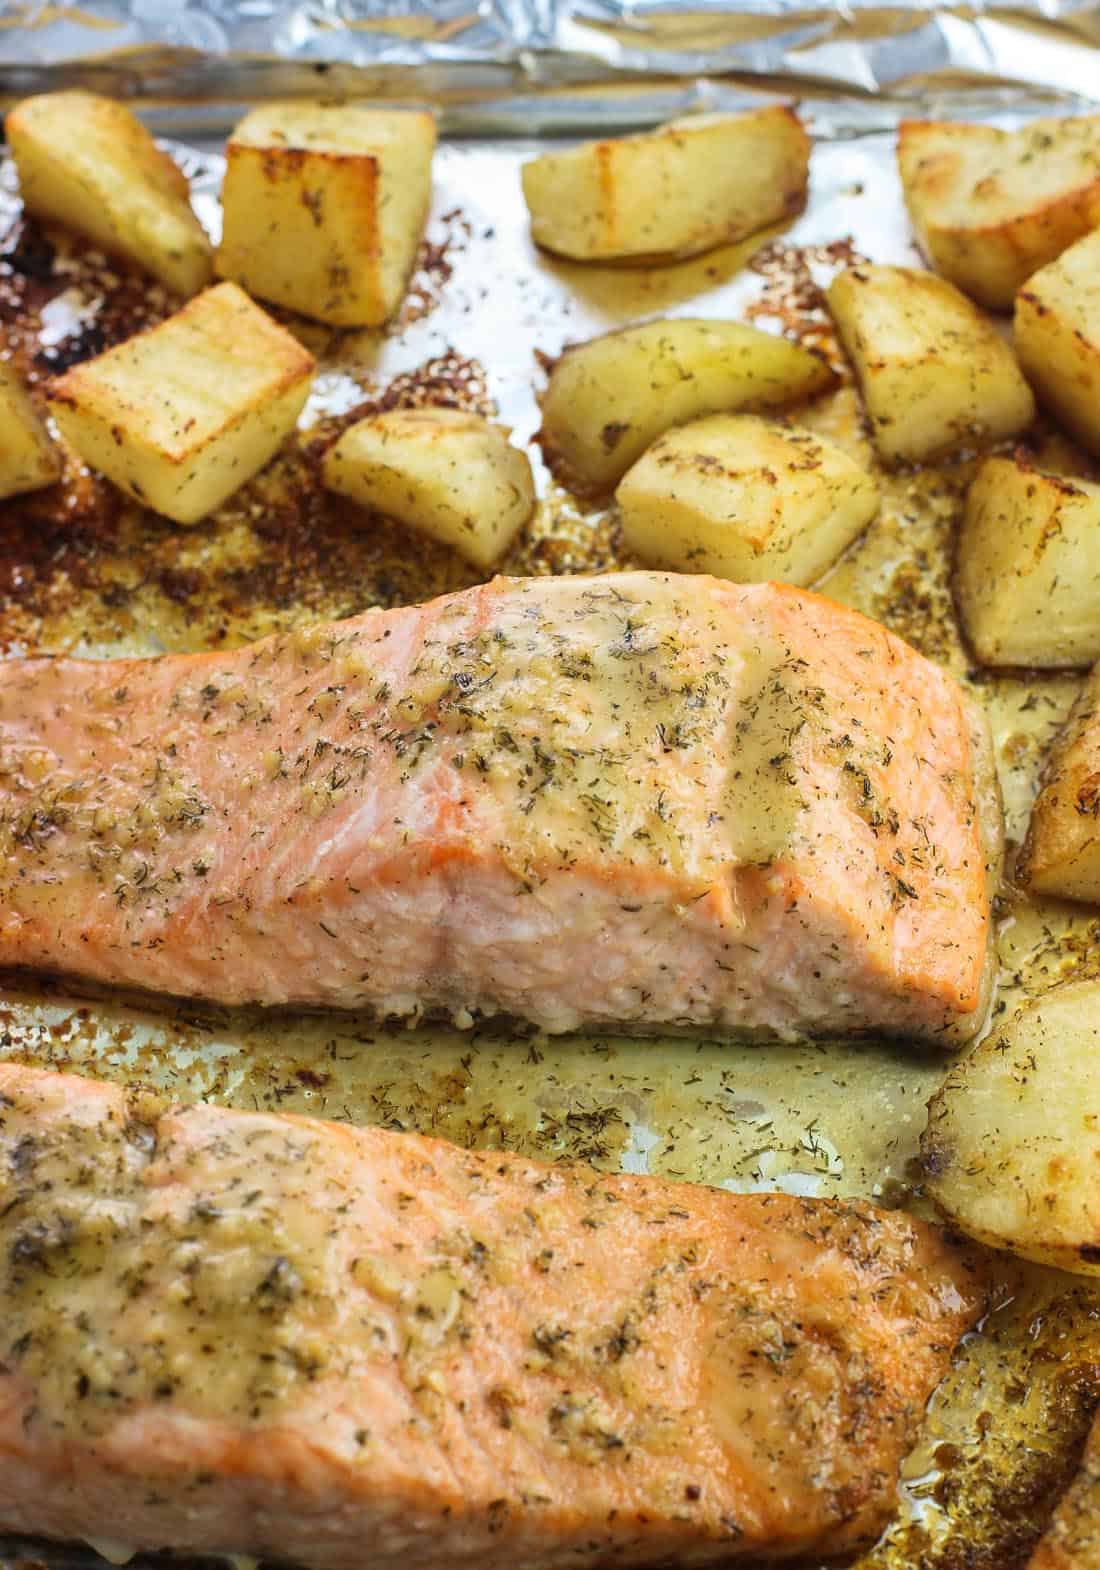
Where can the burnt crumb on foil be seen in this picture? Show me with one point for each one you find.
(27, 251)
(122, 304)
(448, 381)
(111, 301)
(85, 343)
(29, 279)
(434, 269)
(792, 296)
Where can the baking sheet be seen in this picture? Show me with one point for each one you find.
(98, 576)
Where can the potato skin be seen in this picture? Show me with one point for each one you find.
(990, 207)
(183, 414)
(746, 499)
(1027, 571)
(450, 474)
(609, 398)
(88, 163)
(935, 375)
(670, 193)
(1011, 1152)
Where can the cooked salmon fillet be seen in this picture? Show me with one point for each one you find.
(245, 1332)
(642, 800)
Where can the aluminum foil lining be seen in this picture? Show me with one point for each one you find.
(544, 64)
(543, 67)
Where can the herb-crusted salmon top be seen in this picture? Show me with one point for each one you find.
(246, 1332)
(445, 807)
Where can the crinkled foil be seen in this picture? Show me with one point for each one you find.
(535, 65)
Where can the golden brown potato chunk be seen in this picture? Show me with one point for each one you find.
(88, 163)
(744, 498)
(934, 372)
(685, 187)
(1012, 1147)
(1028, 567)
(1058, 338)
(452, 475)
(324, 206)
(182, 415)
(989, 207)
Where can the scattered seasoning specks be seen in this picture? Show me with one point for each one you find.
(80, 568)
(794, 295)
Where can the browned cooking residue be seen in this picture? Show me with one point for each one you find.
(449, 381)
(107, 302)
(82, 564)
(434, 268)
(80, 561)
(565, 536)
(792, 297)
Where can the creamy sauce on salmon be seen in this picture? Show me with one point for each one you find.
(640, 800)
(221, 1326)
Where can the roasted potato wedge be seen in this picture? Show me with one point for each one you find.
(28, 459)
(324, 206)
(1012, 1148)
(181, 415)
(452, 475)
(87, 163)
(744, 498)
(990, 207)
(1027, 575)
(1061, 855)
(685, 187)
(1057, 331)
(609, 398)
(935, 374)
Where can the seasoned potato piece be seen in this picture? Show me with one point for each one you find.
(1028, 567)
(324, 206)
(1061, 855)
(989, 207)
(87, 163)
(609, 398)
(744, 498)
(683, 188)
(182, 415)
(934, 372)
(1058, 338)
(28, 459)
(452, 475)
(1012, 1147)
